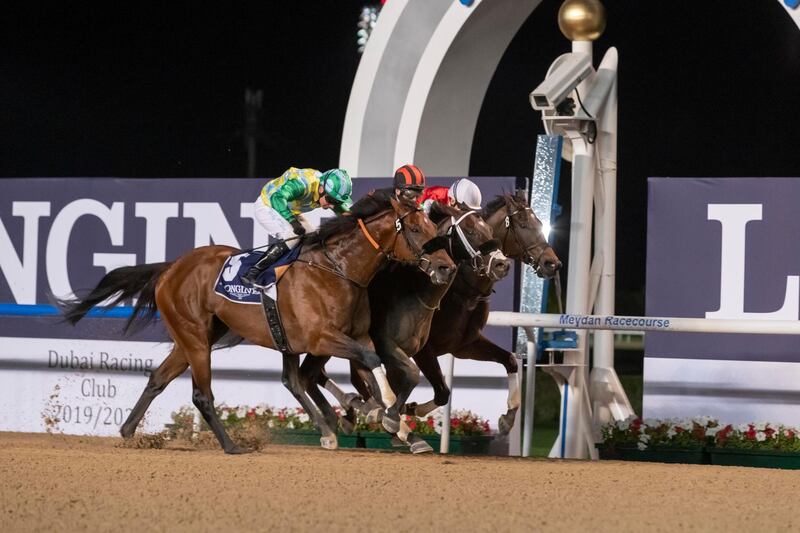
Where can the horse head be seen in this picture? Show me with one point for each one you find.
(418, 245)
(520, 233)
(469, 238)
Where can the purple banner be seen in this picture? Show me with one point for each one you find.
(723, 248)
(62, 234)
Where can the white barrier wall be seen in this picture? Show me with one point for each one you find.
(87, 387)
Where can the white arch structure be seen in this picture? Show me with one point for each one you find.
(421, 82)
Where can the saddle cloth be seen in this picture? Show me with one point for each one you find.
(229, 283)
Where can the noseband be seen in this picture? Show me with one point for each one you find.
(480, 265)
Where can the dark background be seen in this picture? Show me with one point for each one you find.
(706, 89)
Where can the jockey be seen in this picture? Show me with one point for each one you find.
(463, 194)
(282, 202)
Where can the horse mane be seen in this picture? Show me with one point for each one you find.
(499, 201)
(439, 212)
(369, 205)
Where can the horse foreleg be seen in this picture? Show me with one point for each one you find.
(483, 349)
(334, 342)
(173, 366)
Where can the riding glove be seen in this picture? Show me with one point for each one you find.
(298, 228)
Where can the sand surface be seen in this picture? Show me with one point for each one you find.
(60, 483)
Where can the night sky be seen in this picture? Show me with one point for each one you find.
(706, 89)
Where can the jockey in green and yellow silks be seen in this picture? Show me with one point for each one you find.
(283, 200)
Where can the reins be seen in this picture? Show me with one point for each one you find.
(338, 271)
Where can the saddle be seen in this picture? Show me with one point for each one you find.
(229, 285)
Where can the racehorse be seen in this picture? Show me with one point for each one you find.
(457, 326)
(402, 305)
(323, 303)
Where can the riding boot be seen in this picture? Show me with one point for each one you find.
(274, 253)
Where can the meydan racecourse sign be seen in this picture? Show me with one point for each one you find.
(723, 248)
(59, 235)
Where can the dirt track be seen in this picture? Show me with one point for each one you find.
(76, 483)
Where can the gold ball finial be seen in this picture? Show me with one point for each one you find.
(582, 20)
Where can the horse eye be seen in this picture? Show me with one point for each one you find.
(414, 229)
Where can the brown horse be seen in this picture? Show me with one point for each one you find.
(402, 313)
(323, 303)
(457, 326)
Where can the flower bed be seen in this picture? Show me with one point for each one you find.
(469, 433)
(701, 440)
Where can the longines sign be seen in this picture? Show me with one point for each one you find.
(723, 248)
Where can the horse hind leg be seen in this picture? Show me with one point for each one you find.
(482, 349)
(311, 372)
(173, 366)
(203, 399)
(293, 381)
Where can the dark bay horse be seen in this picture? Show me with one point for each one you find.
(323, 303)
(402, 311)
(457, 326)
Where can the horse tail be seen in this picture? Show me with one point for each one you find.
(120, 284)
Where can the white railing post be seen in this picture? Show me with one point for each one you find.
(444, 446)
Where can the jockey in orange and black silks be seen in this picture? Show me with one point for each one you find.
(283, 200)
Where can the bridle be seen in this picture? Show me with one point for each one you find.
(528, 252)
(423, 263)
(480, 263)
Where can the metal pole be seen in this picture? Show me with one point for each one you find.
(444, 446)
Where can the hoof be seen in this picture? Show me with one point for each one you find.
(351, 399)
(506, 421)
(347, 425)
(126, 433)
(369, 406)
(375, 416)
(390, 424)
(421, 446)
(237, 450)
(410, 408)
(329, 442)
(397, 442)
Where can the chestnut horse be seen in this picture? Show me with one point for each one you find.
(323, 303)
(402, 312)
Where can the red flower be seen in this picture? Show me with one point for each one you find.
(251, 413)
(455, 422)
(751, 432)
(430, 421)
(790, 433)
(412, 425)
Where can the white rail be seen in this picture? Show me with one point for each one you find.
(640, 323)
(625, 323)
